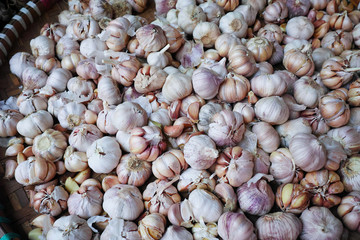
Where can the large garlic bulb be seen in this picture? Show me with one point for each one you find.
(235, 226)
(70, 227)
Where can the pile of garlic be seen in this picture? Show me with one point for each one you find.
(189, 130)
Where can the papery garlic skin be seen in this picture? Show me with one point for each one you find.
(34, 171)
(42, 45)
(33, 78)
(75, 161)
(276, 12)
(283, 166)
(58, 79)
(108, 91)
(152, 226)
(320, 223)
(279, 225)
(50, 145)
(85, 202)
(117, 227)
(205, 205)
(69, 227)
(200, 152)
(104, 154)
(127, 116)
(151, 38)
(169, 164)
(191, 179)
(35, 123)
(267, 137)
(177, 233)
(300, 28)
(290, 128)
(272, 110)
(234, 88)
(177, 86)
(307, 92)
(235, 226)
(51, 200)
(8, 122)
(233, 22)
(149, 78)
(83, 136)
(308, 152)
(133, 171)
(348, 137)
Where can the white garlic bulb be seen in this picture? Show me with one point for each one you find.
(206, 33)
(235, 226)
(272, 110)
(91, 47)
(108, 90)
(85, 202)
(35, 124)
(177, 233)
(205, 205)
(189, 17)
(72, 115)
(233, 22)
(290, 128)
(58, 79)
(83, 136)
(117, 227)
(127, 116)
(50, 145)
(70, 227)
(19, 62)
(42, 45)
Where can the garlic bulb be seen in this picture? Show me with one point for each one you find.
(267, 137)
(348, 137)
(177, 86)
(163, 6)
(108, 91)
(70, 227)
(85, 202)
(47, 64)
(159, 59)
(337, 41)
(261, 48)
(267, 85)
(308, 152)
(54, 31)
(316, 121)
(246, 110)
(66, 46)
(34, 171)
(33, 78)
(50, 145)
(190, 54)
(271, 32)
(83, 136)
(160, 116)
(70, 61)
(206, 82)
(117, 227)
(279, 225)
(272, 110)
(299, 62)
(228, 164)
(241, 61)
(100, 9)
(133, 171)
(82, 28)
(116, 34)
(228, 5)
(348, 210)
(224, 42)
(354, 94)
(42, 45)
(127, 116)
(349, 171)
(189, 17)
(35, 124)
(19, 62)
(58, 79)
(124, 70)
(177, 233)
(90, 47)
(290, 128)
(75, 161)
(300, 28)
(151, 38)
(50, 200)
(104, 155)
(307, 92)
(200, 152)
(235, 226)
(123, 201)
(335, 152)
(276, 12)
(334, 110)
(334, 73)
(72, 115)
(233, 22)
(213, 11)
(30, 101)
(226, 128)
(320, 55)
(169, 165)
(149, 78)
(152, 226)
(206, 33)
(191, 179)
(81, 88)
(234, 88)
(320, 223)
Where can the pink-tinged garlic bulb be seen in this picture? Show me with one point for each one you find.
(224, 42)
(261, 161)
(169, 165)
(234, 89)
(108, 91)
(272, 110)
(177, 86)
(206, 33)
(189, 17)
(290, 128)
(82, 28)
(30, 101)
(149, 78)
(85, 202)
(100, 9)
(127, 116)
(83, 136)
(72, 115)
(271, 32)
(349, 172)
(41, 46)
(348, 210)
(123, 201)
(163, 6)
(235, 166)
(19, 62)
(151, 38)
(307, 91)
(233, 23)
(82, 89)
(300, 28)
(124, 71)
(241, 61)
(50, 145)
(47, 64)
(228, 5)
(104, 154)
(133, 171)
(58, 79)
(191, 179)
(246, 110)
(226, 128)
(213, 11)
(256, 196)
(50, 200)
(335, 152)
(308, 152)
(35, 124)
(96, 105)
(276, 12)
(177, 233)
(334, 110)
(261, 48)
(116, 34)
(117, 227)
(298, 8)
(35, 171)
(206, 113)
(200, 152)
(65, 46)
(206, 82)
(316, 121)
(338, 41)
(152, 226)
(90, 47)
(341, 21)
(72, 227)
(87, 70)
(159, 196)
(225, 192)
(267, 137)
(134, 47)
(190, 54)
(279, 225)
(235, 226)
(348, 137)
(104, 122)
(320, 223)
(33, 78)
(319, 4)
(267, 85)
(292, 198)
(70, 61)
(334, 72)
(299, 62)
(75, 161)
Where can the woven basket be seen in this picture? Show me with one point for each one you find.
(14, 201)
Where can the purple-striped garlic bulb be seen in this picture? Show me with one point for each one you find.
(235, 226)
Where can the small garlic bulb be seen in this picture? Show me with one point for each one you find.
(83, 136)
(133, 171)
(233, 22)
(279, 225)
(108, 90)
(200, 152)
(104, 154)
(85, 202)
(266, 85)
(123, 201)
(267, 137)
(151, 38)
(299, 62)
(189, 17)
(307, 91)
(225, 42)
(159, 59)
(35, 124)
(235, 226)
(320, 223)
(300, 28)
(271, 32)
(50, 145)
(276, 12)
(241, 61)
(234, 89)
(261, 48)
(177, 86)
(272, 110)
(42, 45)
(206, 33)
(19, 62)
(127, 116)
(152, 226)
(149, 78)
(69, 227)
